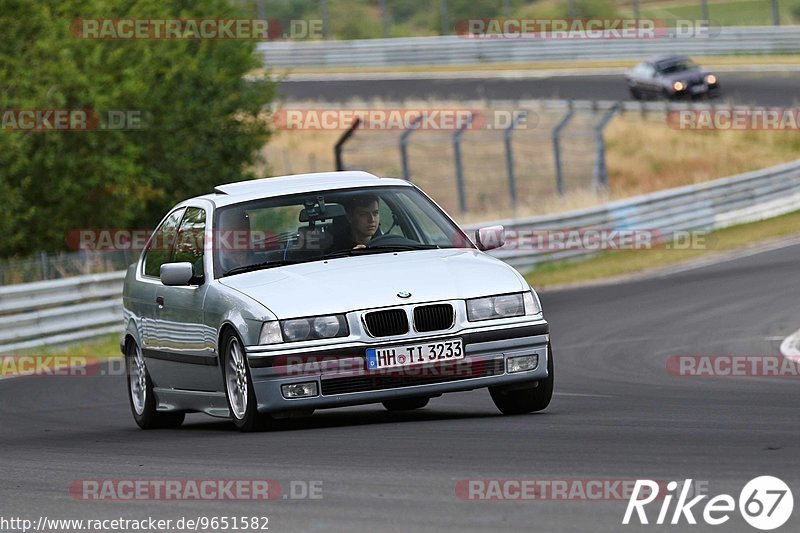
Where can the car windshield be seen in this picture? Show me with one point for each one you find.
(676, 65)
(328, 224)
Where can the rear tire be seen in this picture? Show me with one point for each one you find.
(528, 400)
(405, 404)
(140, 394)
(635, 93)
(239, 389)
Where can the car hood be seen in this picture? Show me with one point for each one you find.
(364, 282)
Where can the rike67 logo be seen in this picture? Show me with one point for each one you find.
(765, 503)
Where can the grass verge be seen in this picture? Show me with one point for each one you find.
(615, 263)
(725, 12)
(52, 360)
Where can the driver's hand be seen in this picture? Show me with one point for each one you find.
(359, 246)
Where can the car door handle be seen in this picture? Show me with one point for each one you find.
(160, 301)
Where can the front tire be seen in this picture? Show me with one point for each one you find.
(405, 404)
(527, 400)
(239, 389)
(140, 394)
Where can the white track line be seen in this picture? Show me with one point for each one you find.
(790, 347)
(583, 395)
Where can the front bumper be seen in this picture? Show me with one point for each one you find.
(695, 90)
(342, 379)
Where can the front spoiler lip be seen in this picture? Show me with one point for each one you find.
(376, 396)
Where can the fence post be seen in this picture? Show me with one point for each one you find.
(600, 175)
(337, 149)
(404, 146)
(443, 14)
(43, 264)
(326, 19)
(512, 180)
(557, 146)
(776, 16)
(704, 9)
(462, 193)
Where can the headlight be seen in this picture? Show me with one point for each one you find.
(315, 327)
(678, 86)
(326, 326)
(506, 305)
(711, 79)
(296, 330)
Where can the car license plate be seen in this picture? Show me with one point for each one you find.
(697, 89)
(414, 354)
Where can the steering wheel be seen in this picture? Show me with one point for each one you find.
(390, 240)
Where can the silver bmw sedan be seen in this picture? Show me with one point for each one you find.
(271, 298)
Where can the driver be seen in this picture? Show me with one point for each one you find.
(364, 219)
(236, 252)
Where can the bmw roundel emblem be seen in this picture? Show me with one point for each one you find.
(404, 294)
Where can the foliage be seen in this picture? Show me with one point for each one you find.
(200, 122)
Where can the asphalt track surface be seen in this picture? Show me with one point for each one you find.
(749, 88)
(617, 414)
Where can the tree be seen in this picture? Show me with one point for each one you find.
(200, 118)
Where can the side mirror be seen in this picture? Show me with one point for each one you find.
(176, 274)
(490, 237)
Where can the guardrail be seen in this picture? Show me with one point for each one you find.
(60, 311)
(455, 50)
(72, 309)
(706, 206)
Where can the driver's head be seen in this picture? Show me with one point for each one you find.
(364, 217)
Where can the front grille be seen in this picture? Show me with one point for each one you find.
(409, 377)
(386, 323)
(433, 317)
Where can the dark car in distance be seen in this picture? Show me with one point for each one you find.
(671, 77)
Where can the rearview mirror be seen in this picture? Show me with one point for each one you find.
(329, 211)
(176, 274)
(490, 237)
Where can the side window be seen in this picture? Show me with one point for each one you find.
(189, 245)
(160, 247)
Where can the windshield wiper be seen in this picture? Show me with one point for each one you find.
(405, 247)
(380, 250)
(258, 266)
